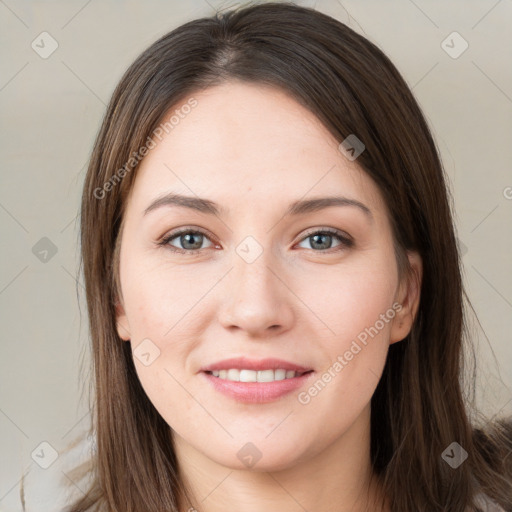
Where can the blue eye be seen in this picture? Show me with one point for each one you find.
(191, 241)
(323, 239)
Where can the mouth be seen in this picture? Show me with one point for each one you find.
(251, 381)
(247, 364)
(246, 375)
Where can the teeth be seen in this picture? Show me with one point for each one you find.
(245, 375)
(280, 374)
(266, 376)
(236, 375)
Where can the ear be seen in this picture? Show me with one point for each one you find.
(408, 296)
(122, 324)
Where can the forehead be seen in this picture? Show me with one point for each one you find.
(249, 140)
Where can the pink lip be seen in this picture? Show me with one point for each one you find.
(257, 392)
(241, 363)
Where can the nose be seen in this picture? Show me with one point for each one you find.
(257, 299)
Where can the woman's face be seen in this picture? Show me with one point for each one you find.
(261, 280)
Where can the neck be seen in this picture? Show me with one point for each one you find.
(337, 479)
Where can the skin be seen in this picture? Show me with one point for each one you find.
(254, 150)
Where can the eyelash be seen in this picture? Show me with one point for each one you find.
(345, 241)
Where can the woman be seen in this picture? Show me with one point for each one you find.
(273, 283)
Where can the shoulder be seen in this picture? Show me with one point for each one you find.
(64, 477)
(486, 504)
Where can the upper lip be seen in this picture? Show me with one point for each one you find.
(242, 363)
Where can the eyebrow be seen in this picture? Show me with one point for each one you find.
(300, 207)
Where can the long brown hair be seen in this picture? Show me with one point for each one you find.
(420, 405)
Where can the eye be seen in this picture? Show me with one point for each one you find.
(190, 241)
(322, 239)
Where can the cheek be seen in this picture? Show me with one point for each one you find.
(357, 307)
(353, 299)
(159, 297)
(162, 307)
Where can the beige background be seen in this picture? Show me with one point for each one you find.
(51, 109)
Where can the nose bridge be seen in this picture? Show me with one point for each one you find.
(256, 294)
(253, 277)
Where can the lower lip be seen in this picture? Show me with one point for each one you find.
(257, 392)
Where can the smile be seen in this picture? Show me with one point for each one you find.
(252, 390)
(244, 375)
